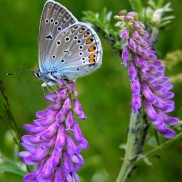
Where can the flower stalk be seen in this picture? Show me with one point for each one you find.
(157, 149)
(151, 90)
(130, 154)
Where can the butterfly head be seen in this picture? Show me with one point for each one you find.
(37, 73)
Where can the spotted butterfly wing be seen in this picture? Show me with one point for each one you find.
(54, 19)
(68, 49)
(75, 52)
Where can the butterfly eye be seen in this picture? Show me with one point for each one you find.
(37, 73)
(46, 21)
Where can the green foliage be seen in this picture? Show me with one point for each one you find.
(12, 165)
(103, 23)
(173, 59)
(152, 142)
(155, 13)
(7, 118)
(173, 62)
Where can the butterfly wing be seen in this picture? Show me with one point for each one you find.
(55, 18)
(76, 51)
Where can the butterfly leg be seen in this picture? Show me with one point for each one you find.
(51, 84)
(42, 86)
(47, 85)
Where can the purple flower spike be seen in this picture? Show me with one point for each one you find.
(132, 44)
(69, 119)
(59, 175)
(55, 139)
(125, 35)
(78, 110)
(122, 12)
(51, 97)
(125, 55)
(132, 72)
(136, 103)
(150, 88)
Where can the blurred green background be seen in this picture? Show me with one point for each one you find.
(105, 94)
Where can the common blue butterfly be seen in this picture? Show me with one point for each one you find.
(68, 49)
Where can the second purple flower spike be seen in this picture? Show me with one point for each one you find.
(55, 139)
(150, 88)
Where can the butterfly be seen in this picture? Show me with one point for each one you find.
(68, 49)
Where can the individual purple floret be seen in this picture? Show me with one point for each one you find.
(150, 88)
(55, 139)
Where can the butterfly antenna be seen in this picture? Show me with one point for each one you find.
(21, 71)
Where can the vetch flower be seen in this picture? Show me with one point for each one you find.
(150, 88)
(55, 140)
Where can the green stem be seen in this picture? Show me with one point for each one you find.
(131, 159)
(157, 149)
(129, 154)
(137, 6)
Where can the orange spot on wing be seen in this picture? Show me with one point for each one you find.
(92, 48)
(91, 56)
(89, 41)
(86, 34)
(92, 61)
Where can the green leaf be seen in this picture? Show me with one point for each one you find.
(103, 15)
(146, 160)
(108, 16)
(103, 22)
(12, 166)
(123, 146)
(167, 7)
(152, 4)
(152, 142)
(11, 169)
(164, 23)
(168, 18)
